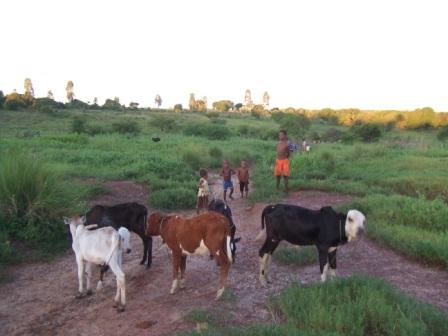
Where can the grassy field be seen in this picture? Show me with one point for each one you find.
(399, 182)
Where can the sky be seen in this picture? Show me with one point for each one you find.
(312, 54)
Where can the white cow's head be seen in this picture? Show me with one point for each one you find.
(354, 224)
(125, 239)
(74, 223)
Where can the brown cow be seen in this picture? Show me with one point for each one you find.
(206, 234)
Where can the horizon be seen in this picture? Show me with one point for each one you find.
(376, 55)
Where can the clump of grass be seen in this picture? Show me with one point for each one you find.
(345, 307)
(303, 255)
(33, 200)
(174, 198)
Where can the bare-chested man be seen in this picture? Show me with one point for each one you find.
(282, 162)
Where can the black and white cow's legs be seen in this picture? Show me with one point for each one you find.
(323, 263)
(265, 259)
(332, 261)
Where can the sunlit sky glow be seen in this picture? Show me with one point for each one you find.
(312, 54)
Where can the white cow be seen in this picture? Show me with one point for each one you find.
(101, 247)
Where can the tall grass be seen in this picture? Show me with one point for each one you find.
(33, 200)
(350, 307)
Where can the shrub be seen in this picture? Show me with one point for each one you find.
(442, 135)
(33, 200)
(175, 198)
(223, 105)
(421, 118)
(44, 104)
(78, 125)
(192, 159)
(215, 153)
(368, 132)
(332, 135)
(178, 108)
(96, 129)
(294, 124)
(2, 99)
(210, 131)
(77, 104)
(111, 104)
(258, 111)
(126, 127)
(164, 123)
(15, 101)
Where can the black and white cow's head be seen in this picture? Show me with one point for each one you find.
(354, 224)
(233, 247)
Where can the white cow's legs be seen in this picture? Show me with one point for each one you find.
(323, 276)
(80, 275)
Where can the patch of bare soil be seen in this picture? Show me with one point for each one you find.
(121, 192)
(40, 300)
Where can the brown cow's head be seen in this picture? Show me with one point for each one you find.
(153, 224)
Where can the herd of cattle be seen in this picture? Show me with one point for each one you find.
(102, 235)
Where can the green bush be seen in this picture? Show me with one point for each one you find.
(294, 124)
(47, 104)
(442, 135)
(192, 159)
(78, 125)
(111, 104)
(216, 153)
(175, 198)
(126, 127)
(77, 104)
(368, 132)
(209, 131)
(96, 129)
(33, 200)
(178, 108)
(165, 124)
(332, 135)
(15, 101)
(344, 307)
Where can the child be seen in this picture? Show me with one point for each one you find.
(243, 177)
(203, 191)
(226, 174)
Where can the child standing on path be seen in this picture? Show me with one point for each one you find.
(243, 177)
(203, 191)
(226, 174)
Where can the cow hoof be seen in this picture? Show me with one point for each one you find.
(263, 282)
(142, 262)
(89, 292)
(79, 295)
(148, 266)
(120, 309)
(99, 285)
(219, 293)
(182, 284)
(116, 304)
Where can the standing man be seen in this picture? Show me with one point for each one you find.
(282, 162)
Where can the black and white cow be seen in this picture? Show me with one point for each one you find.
(132, 216)
(221, 207)
(325, 228)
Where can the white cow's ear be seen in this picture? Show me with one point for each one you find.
(66, 220)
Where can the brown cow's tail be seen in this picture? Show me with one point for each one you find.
(229, 250)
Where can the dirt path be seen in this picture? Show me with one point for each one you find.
(40, 300)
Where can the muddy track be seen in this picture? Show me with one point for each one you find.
(40, 300)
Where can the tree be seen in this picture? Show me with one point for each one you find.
(2, 98)
(95, 101)
(15, 101)
(200, 106)
(133, 105)
(238, 106)
(50, 95)
(248, 99)
(266, 99)
(204, 99)
(223, 105)
(158, 101)
(28, 85)
(178, 108)
(110, 104)
(192, 102)
(258, 110)
(69, 91)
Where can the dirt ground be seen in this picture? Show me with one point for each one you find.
(41, 298)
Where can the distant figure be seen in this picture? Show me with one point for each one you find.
(203, 191)
(243, 178)
(304, 144)
(282, 161)
(226, 174)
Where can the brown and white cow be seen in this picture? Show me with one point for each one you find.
(206, 234)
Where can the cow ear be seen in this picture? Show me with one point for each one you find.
(236, 240)
(66, 220)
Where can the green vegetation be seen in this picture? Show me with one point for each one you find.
(299, 256)
(354, 306)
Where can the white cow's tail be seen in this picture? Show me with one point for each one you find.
(116, 242)
(229, 250)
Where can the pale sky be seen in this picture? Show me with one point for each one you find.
(373, 54)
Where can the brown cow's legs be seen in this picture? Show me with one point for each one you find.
(183, 266)
(177, 260)
(224, 265)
